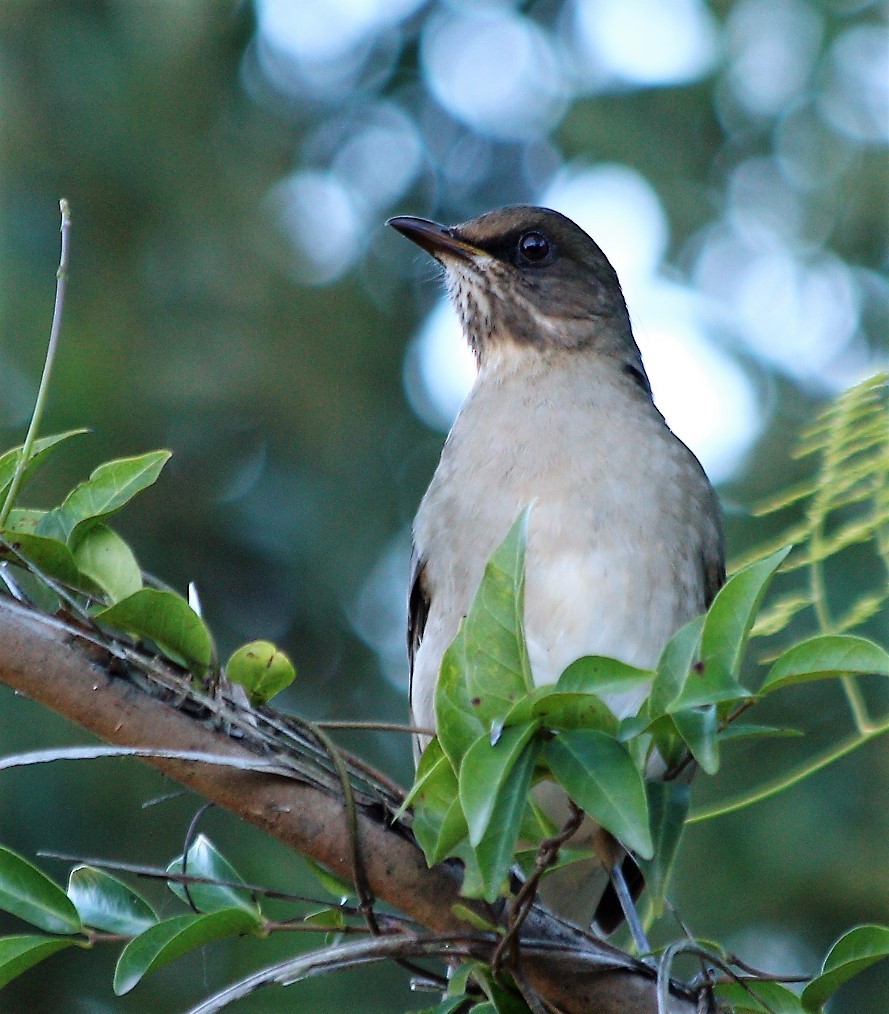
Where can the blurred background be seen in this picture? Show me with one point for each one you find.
(236, 297)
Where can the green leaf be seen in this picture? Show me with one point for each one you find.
(330, 918)
(852, 953)
(452, 830)
(108, 488)
(679, 655)
(435, 783)
(439, 824)
(497, 668)
(40, 450)
(23, 519)
(483, 773)
(28, 893)
(107, 560)
(475, 919)
(698, 728)
(598, 773)
(108, 904)
(503, 1000)
(749, 730)
(639, 746)
(667, 742)
(458, 980)
(495, 852)
(261, 669)
(170, 939)
(537, 824)
(52, 558)
(594, 674)
(826, 655)
(19, 953)
(450, 1005)
(433, 767)
(203, 859)
(473, 885)
(334, 885)
(167, 619)
(707, 685)
(730, 618)
(667, 807)
(455, 721)
(776, 999)
(557, 709)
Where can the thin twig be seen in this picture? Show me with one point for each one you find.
(359, 874)
(348, 955)
(190, 836)
(155, 873)
(366, 899)
(403, 923)
(43, 389)
(11, 584)
(416, 730)
(67, 753)
(690, 947)
(295, 730)
(547, 854)
(293, 926)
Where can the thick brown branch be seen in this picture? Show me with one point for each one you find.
(54, 664)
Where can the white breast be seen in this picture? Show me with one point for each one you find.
(613, 564)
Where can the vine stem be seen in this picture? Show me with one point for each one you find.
(777, 785)
(54, 332)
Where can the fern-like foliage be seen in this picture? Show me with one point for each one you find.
(844, 504)
(843, 509)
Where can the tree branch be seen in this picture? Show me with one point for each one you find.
(64, 668)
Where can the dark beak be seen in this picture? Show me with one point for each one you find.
(434, 238)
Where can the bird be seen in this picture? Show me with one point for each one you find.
(625, 539)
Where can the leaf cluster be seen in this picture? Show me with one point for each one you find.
(96, 907)
(841, 507)
(68, 556)
(498, 733)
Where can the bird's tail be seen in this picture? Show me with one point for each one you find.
(609, 912)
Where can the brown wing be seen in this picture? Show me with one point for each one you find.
(417, 612)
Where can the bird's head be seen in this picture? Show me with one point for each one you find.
(528, 276)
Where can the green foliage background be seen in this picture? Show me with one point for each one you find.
(297, 457)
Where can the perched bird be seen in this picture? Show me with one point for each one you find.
(625, 540)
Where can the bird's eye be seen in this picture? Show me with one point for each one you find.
(534, 247)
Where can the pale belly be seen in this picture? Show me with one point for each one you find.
(584, 598)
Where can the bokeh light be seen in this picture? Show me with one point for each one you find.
(855, 98)
(646, 42)
(321, 216)
(772, 49)
(495, 70)
(323, 49)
